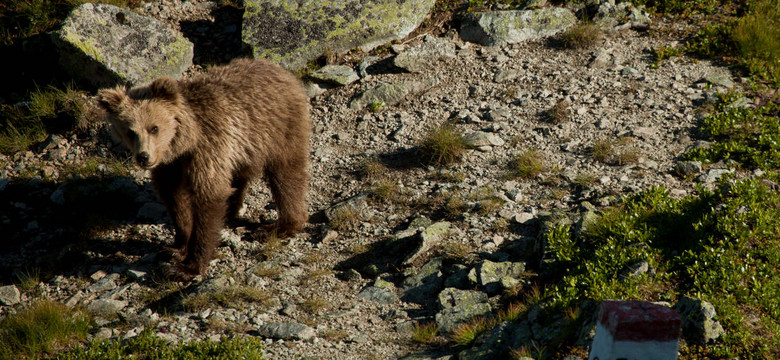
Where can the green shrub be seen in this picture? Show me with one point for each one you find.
(148, 346)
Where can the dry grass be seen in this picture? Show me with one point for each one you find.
(581, 36)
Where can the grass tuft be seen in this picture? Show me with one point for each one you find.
(442, 146)
(528, 164)
(46, 327)
(425, 333)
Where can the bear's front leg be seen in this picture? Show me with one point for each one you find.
(209, 209)
(175, 193)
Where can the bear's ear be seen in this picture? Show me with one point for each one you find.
(111, 99)
(165, 88)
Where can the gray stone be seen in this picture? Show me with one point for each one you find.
(687, 168)
(601, 59)
(481, 138)
(378, 295)
(719, 80)
(292, 32)
(698, 321)
(424, 56)
(10, 295)
(335, 74)
(423, 286)
(151, 211)
(106, 307)
(286, 331)
(509, 27)
(107, 45)
(58, 196)
(488, 274)
(712, 176)
(357, 203)
(4, 182)
(387, 94)
(106, 283)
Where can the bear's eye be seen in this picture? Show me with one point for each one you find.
(130, 134)
(154, 130)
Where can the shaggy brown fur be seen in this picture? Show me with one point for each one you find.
(206, 138)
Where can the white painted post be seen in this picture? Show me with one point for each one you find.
(635, 330)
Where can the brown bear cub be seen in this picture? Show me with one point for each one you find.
(206, 138)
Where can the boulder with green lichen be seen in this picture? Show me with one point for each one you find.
(105, 45)
(293, 33)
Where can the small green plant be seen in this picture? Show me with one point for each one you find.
(376, 106)
(44, 328)
(584, 35)
(424, 333)
(270, 271)
(442, 146)
(528, 164)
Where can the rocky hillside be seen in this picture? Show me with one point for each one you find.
(398, 237)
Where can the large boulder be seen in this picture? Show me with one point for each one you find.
(294, 32)
(495, 28)
(106, 45)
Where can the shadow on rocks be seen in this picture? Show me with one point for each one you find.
(218, 41)
(64, 227)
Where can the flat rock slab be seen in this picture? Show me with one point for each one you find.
(286, 331)
(106, 45)
(335, 74)
(293, 32)
(494, 28)
(388, 94)
(424, 56)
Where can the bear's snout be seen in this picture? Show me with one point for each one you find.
(142, 159)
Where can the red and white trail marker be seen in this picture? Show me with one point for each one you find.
(635, 330)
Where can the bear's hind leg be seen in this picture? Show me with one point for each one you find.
(288, 186)
(236, 206)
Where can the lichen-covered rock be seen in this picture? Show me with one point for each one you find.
(293, 32)
(458, 306)
(489, 275)
(106, 45)
(427, 239)
(508, 27)
(424, 56)
(452, 297)
(698, 321)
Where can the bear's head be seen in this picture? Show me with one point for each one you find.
(146, 119)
